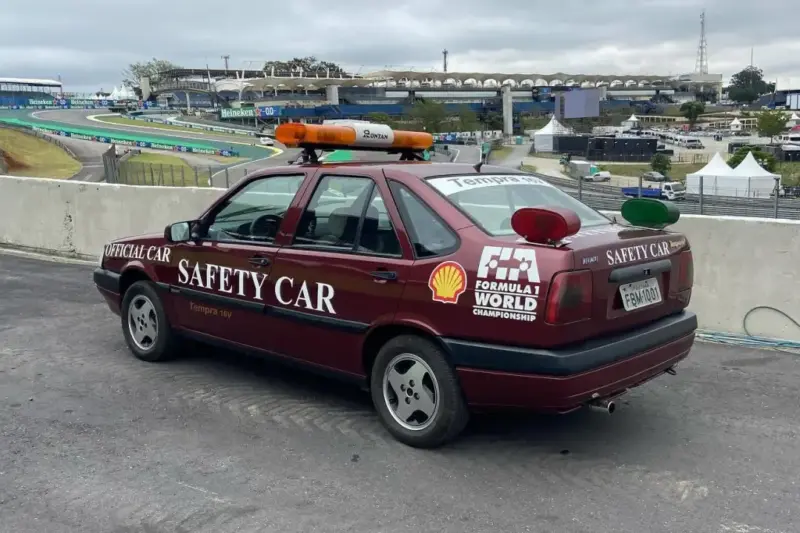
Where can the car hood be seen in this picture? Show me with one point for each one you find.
(147, 238)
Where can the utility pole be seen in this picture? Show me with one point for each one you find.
(444, 55)
(226, 58)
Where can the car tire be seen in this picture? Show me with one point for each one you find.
(144, 324)
(439, 386)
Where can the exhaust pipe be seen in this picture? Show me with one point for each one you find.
(605, 406)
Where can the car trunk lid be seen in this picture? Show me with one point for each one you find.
(636, 274)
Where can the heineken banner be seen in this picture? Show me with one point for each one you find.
(245, 112)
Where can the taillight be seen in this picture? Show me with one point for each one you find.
(685, 271)
(570, 298)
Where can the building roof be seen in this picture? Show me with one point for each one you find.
(32, 81)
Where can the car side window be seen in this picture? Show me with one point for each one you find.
(377, 231)
(332, 217)
(255, 213)
(429, 234)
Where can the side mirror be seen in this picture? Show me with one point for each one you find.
(179, 232)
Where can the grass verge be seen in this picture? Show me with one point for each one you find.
(678, 172)
(165, 170)
(499, 154)
(528, 168)
(27, 155)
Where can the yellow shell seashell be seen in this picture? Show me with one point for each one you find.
(448, 282)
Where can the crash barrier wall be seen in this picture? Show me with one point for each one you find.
(741, 264)
(610, 197)
(121, 139)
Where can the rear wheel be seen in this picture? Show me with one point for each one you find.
(144, 323)
(416, 393)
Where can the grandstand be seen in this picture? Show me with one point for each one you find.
(19, 91)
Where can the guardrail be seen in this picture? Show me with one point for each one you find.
(191, 125)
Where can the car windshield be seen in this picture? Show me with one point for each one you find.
(678, 187)
(490, 200)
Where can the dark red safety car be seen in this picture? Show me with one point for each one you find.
(441, 287)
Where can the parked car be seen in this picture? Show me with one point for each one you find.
(653, 176)
(441, 288)
(603, 175)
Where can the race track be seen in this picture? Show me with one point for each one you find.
(95, 441)
(259, 157)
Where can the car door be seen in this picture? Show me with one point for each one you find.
(343, 273)
(221, 281)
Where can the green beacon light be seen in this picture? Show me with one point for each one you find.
(650, 213)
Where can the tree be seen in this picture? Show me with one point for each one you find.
(493, 121)
(771, 123)
(310, 66)
(751, 78)
(692, 110)
(382, 118)
(467, 119)
(742, 95)
(661, 163)
(151, 69)
(764, 159)
(429, 114)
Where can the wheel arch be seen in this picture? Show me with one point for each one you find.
(130, 276)
(380, 335)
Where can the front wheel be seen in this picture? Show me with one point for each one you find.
(416, 393)
(145, 325)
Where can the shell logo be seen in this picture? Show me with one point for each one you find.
(448, 281)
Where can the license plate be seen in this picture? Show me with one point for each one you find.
(640, 294)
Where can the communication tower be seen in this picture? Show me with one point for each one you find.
(701, 65)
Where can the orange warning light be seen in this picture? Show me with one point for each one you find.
(354, 135)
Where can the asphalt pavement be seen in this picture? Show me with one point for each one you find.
(94, 440)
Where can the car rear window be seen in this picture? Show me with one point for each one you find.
(490, 200)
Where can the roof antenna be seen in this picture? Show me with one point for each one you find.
(477, 166)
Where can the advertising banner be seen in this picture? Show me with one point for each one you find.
(271, 111)
(246, 112)
(156, 145)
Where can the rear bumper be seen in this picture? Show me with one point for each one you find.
(564, 379)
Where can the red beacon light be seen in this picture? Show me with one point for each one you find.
(545, 225)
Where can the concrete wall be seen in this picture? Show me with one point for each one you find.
(78, 218)
(740, 263)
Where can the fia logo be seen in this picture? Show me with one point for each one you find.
(508, 263)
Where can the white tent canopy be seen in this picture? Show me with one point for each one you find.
(632, 122)
(748, 179)
(735, 122)
(794, 117)
(543, 139)
(715, 172)
(755, 179)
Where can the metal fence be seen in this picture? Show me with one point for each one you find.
(610, 198)
(160, 175)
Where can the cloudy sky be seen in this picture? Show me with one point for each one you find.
(89, 43)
